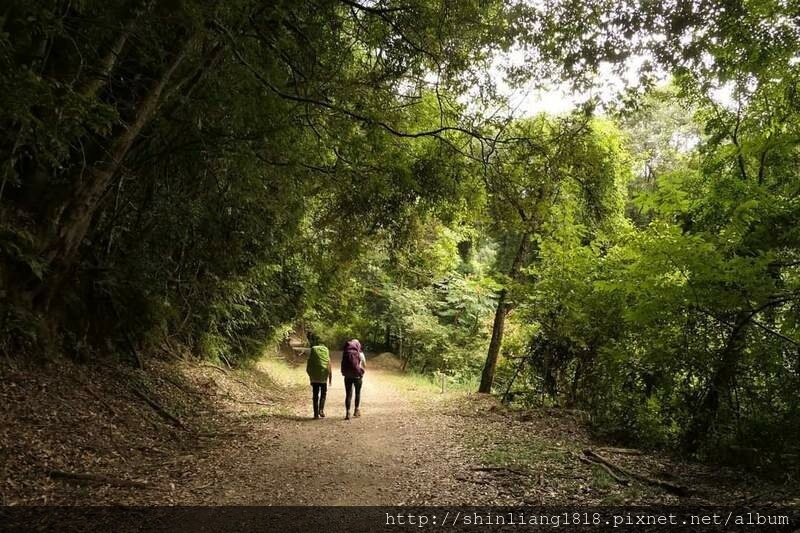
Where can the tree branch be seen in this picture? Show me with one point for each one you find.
(373, 9)
(436, 132)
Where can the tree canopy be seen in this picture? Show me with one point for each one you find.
(207, 175)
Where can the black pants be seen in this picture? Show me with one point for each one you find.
(319, 393)
(349, 385)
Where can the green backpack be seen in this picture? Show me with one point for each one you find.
(318, 363)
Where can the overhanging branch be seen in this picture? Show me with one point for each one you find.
(436, 132)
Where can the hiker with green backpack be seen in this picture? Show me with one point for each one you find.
(319, 371)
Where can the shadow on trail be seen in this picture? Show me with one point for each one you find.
(294, 418)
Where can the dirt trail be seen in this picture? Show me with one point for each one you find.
(393, 454)
(415, 446)
(247, 438)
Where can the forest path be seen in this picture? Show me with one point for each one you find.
(247, 438)
(399, 451)
(414, 445)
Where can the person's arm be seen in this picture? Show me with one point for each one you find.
(330, 374)
(363, 359)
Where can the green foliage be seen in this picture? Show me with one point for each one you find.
(673, 333)
(416, 295)
(203, 174)
(243, 310)
(197, 172)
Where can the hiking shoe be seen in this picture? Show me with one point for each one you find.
(316, 417)
(356, 413)
(322, 414)
(347, 415)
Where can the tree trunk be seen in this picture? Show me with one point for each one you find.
(498, 327)
(98, 78)
(182, 91)
(75, 219)
(487, 377)
(507, 395)
(720, 385)
(581, 368)
(400, 353)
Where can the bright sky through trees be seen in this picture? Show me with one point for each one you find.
(559, 97)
